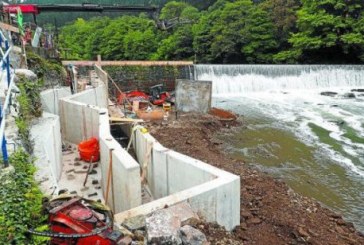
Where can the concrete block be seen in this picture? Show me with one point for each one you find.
(193, 96)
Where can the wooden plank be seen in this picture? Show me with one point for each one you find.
(125, 119)
(126, 63)
(9, 27)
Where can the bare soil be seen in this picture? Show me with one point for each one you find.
(271, 213)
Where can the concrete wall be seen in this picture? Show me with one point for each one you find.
(50, 99)
(121, 175)
(85, 115)
(46, 134)
(193, 96)
(173, 177)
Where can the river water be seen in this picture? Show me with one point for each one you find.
(314, 142)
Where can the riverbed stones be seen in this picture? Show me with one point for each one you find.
(358, 90)
(349, 96)
(163, 228)
(192, 236)
(328, 93)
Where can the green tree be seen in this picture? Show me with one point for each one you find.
(235, 32)
(283, 15)
(178, 43)
(329, 31)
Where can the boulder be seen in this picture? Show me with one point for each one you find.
(183, 211)
(360, 90)
(192, 236)
(28, 74)
(349, 95)
(135, 223)
(328, 93)
(163, 228)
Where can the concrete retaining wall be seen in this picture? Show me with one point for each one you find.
(84, 115)
(50, 99)
(46, 134)
(173, 177)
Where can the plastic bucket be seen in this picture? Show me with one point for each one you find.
(89, 150)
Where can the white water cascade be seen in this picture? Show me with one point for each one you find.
(240, 79)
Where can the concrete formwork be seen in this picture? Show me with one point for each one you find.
(173, 177)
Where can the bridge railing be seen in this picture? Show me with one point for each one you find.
(5, 50)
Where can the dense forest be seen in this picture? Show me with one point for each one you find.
(240, 31)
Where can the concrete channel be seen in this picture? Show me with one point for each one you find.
(170, 177)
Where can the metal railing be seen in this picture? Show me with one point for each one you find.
(5, 66)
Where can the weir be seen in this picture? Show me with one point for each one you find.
(242, 79)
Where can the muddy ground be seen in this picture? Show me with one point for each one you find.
(271, 213)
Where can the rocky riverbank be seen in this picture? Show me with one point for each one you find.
(271, 213)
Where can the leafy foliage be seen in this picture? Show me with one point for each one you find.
(30, 106)
(240, 31)
(20, 202)
(329, 31)
(50, 72)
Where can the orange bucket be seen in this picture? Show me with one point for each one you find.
(89, 150)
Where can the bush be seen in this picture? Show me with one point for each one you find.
(20, 202)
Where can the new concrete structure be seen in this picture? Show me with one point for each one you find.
(193, 96)
(170, 176)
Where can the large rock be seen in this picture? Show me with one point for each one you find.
(361, 90)
(135, 223)
(28, 74)
(183, 211)
(328, 93)
(192, 236)
(349, 95)
(163, 228)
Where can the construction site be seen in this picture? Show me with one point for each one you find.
(145, 185)
(136, 155)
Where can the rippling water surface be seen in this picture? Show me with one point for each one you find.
(314, 142)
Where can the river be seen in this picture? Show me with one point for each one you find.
(314, 142)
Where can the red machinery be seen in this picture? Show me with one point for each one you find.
(157, 95)
(78, 221)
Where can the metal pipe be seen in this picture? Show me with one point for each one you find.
(7, 62)
(3, 111)
(4, 57)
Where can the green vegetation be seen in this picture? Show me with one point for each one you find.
(50, 73)
(241, 31)
(30, 106)
(20, 202)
